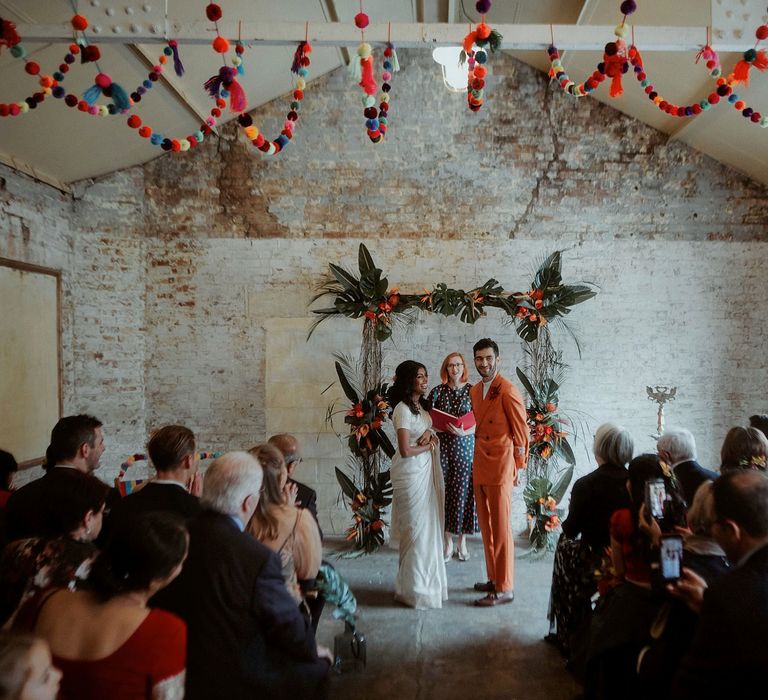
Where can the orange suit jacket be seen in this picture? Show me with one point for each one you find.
(502, 427)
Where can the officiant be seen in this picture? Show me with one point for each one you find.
(457, 446)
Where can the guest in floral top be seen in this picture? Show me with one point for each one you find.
(34, 564)
(456, 451)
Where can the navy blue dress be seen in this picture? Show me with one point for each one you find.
(456, 454)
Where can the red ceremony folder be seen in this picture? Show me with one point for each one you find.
(441, 420)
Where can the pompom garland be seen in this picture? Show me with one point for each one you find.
(224, 84)
(300, 68)
(126, 487)
(752, 57)
(482, 37)
(377, 122)
(558, 74)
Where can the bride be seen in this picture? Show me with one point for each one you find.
(417, 483)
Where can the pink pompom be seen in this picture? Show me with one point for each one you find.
(386, 75)
(93, 109)
(103, 81)
(361, 20)
(210, 121)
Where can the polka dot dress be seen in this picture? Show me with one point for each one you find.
(456, 461)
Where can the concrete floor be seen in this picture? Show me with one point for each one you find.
(460, 651)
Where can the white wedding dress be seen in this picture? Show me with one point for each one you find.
(418, 517)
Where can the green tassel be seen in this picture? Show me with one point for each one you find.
(354, 69)
(393, 60)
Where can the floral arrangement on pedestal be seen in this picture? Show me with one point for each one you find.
(542, 500)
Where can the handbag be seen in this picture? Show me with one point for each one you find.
(349, 650)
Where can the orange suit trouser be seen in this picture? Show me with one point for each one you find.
(494, 508)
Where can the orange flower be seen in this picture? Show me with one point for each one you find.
(550, 407)
(352, 533)
(551, 503)
(541, 500)
(370, 314)
(394, 300)
(537, 294)
(533, 318)
(377, 525)
(362, 431)
(376, 424)
(546, 452)
(539, 416)
(385, 306)
(538, 303)
(548, 430)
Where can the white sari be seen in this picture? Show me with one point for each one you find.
(418, 517)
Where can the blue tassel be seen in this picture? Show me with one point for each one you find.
(92, 94)
(120, 97)
(178, 66)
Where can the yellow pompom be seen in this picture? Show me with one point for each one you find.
(384, 97)
(184, 144)
(103, 111)
(23, 107)
(621, 30)
(251, 132)
(364, 50)
(301, 84)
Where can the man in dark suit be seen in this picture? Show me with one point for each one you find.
(246, 636)
(677, 448)
(77, 443)
(729, 655)
(172, 452)
(306, 497)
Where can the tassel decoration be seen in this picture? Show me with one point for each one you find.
(226, 79)
(178, 66)
(367, 82)
(353, 69)
(298, 57)
(237, 99)
(119, 96)
(752, 57)
(615, 66)
(393, 58)
(92, 94)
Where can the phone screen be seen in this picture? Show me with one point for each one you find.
(671, 557)
(655, 493)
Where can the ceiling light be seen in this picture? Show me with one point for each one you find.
(454, 73)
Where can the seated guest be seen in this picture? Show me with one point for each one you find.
(743, 448)
(8, 467)
(247, 638)
(77, 443)
(672, 631)
(172, 452)
(30, 565)
(729, 657)
(620, 624)
(306, 497)
(289, 531)
(677, 448)
(759, 421)
(594, 498)
(26, 672)
(106, 641)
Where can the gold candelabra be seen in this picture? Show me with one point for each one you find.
(661, 395)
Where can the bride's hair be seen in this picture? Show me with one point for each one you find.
(402, 387)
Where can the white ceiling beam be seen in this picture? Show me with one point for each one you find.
(24, 167)
(411, 35)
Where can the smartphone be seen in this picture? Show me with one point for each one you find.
(671, 557)
(655, 494)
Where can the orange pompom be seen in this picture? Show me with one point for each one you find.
(481, 71)
(739, 104)
(220, 45)
(80, 23)
(483, 31)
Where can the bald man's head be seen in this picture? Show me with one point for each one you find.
(289, 446)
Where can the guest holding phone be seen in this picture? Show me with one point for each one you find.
(457, 448)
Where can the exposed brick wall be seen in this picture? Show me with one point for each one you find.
(190, 277)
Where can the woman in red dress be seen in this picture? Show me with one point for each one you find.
(107, 642)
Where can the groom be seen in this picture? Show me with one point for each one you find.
(501, 448)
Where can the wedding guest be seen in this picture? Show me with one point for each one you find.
(417, 493)
(106, 641)
(743, 448)
(586, 534)
(31, 565)
(677, 448)
(759, 421)
(77, 443)
(8, 468)
(287, 530)
(246, 638)
(457, 449)
(306, 497)
(172, 452)
(501, 450)
(26, 670)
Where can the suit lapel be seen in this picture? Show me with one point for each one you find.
(484, 404)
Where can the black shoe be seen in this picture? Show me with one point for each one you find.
(485, 587)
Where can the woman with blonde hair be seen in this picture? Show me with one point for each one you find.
(289, 531)
(456, 451)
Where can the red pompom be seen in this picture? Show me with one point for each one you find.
(175, 145)
(213, 12)
(361, 20)
(32, 68)
(220, 44)
(71, 100)
(145, 132)
(80, 23)
(762, 32)
(134, 121)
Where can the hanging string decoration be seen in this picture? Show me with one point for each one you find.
(691, 110)
(300, 68)
(615, 58)
(482, 37)
(752, 58)
(558, 74)
(224, 84)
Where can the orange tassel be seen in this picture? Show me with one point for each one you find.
(613, 66)
(368, 82)
(469, 41)
(741, 71)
